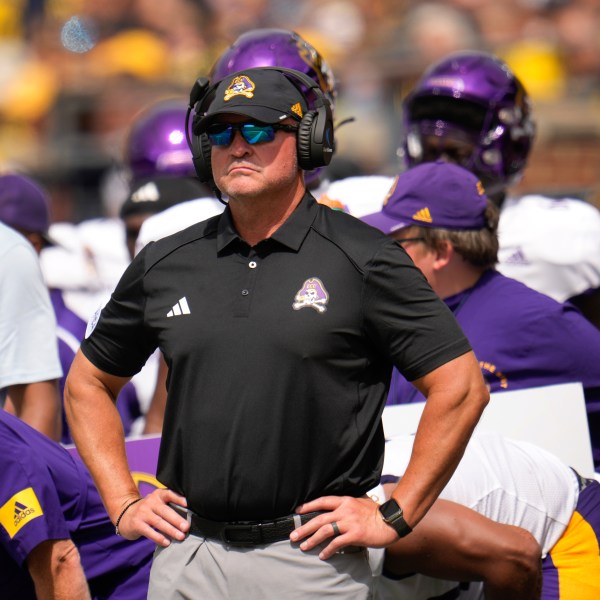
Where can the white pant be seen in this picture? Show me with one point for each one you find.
(203, 569)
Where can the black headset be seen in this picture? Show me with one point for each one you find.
(315, 142)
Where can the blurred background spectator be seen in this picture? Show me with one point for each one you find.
(75, 72)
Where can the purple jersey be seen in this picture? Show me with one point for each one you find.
(523, 339)
(46, 494)
(70, 331)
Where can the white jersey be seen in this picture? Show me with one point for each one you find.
(508, 481)
(86, 263)
(551, 245)
(176, 218)
(28, 341)
(359, 196)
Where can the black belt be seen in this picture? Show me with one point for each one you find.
(249, 533)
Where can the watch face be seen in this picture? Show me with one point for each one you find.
(390, 509)
(392, 514)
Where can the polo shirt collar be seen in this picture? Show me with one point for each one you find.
(290, 234)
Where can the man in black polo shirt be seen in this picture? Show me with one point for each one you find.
(280, 321)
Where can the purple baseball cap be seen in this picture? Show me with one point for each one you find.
(435, 194)
(24, 205)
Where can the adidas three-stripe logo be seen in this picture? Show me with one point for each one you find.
(423, 215)
(181, 308)
(22, 511)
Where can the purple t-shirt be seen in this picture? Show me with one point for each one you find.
(47, 494)
(523, 339)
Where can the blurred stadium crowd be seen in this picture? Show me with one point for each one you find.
(74, 73)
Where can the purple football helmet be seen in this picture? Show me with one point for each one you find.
(156, 144)
(472, 97)
(276, 48)
(279, 48)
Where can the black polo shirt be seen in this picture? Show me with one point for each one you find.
(279, 355)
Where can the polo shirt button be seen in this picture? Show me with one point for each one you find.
(252, 264)
(245, 292)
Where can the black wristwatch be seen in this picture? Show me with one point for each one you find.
(392, 514)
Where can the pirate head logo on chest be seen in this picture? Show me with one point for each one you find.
(312, 294)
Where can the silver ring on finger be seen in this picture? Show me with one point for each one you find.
(336, 529)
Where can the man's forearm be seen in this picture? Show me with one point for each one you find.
(456, 543)
(517, 569)
(97, 431)
(456, 397)
(56, 570)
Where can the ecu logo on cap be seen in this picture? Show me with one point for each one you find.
(241, 85)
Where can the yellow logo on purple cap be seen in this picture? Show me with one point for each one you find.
(480, 189)
(423, 215)
(241, 85)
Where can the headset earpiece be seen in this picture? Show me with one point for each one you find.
(315, 143)
(305, 129)
(201, 157)
(315, 140)
(199, 143)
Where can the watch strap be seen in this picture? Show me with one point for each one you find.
(401, 527)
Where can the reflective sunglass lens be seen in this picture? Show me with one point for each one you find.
(257, 134)
(220, 139)
(221, 134)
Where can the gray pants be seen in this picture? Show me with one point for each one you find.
(203, 569)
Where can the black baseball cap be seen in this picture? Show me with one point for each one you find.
(262, 94)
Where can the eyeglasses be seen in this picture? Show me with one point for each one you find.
(412, 239)
(221, 134)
